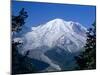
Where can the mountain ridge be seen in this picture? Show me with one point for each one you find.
(57, 37)
(54, 30)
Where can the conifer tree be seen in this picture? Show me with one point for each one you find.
(87, 59)
(20, 64)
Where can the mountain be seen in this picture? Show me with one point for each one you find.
(55, 42)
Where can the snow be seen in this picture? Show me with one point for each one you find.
(68, 35)
(51, 33)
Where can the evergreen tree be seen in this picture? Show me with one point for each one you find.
(20, 64)
(87, 59)
(19, 21)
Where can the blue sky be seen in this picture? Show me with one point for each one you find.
(40, 13)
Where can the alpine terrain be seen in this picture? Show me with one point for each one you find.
(55, 43)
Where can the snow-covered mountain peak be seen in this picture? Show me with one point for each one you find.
(57, 32)
(55, 38)
(60, 24)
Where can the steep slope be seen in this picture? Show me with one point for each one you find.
(56, 33)
(57, 37)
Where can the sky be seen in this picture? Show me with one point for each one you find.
(41, 13)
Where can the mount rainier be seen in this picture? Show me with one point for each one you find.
(55, 43)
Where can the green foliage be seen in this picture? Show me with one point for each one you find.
(87, 59)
